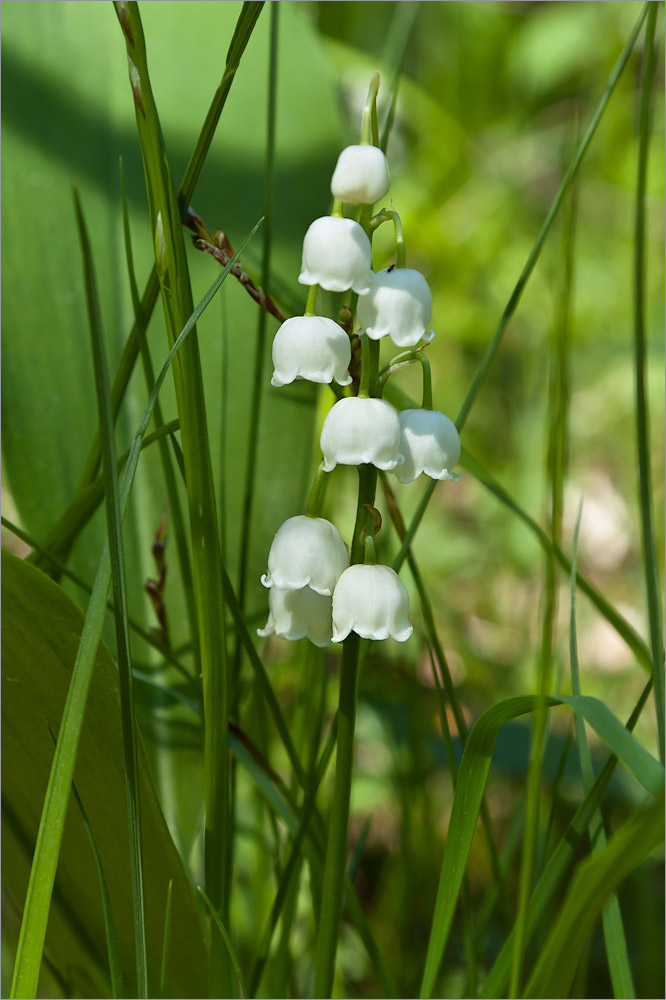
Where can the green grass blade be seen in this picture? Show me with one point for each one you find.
(165, 946)
(114, 534)
(62, 535)
(557, 413)
(472, 776)
(115, 966)
(173, 273)
(175, 507)
(642, 413)
(49, 837)
(613, 617)
(260, 345)
(227, 940)
(594, 880)
(615, 940)
(559, 862)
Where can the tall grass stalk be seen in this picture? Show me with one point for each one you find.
(642, 411)
(114, 534)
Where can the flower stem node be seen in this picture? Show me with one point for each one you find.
(336, 255)
(314, 348)
(306, 552)
(361, 430)
(430, 443)
(299, 614)
(371, 601)
(398, 305)
(361, 175)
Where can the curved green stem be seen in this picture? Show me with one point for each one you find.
(317, 492)
(311, 301)
(388, 215)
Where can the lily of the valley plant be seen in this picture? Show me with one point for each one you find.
(318, 588)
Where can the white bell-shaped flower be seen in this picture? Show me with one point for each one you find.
(360, 176)
(306, 552)
(299, 614)
(371, 601)
(358, 431)
(314, 348)
(336, 255)
(398, 305)
(430, 443)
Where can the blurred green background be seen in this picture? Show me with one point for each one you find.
(493, 99)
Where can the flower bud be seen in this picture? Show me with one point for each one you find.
(299, 614)
(430, 443)
(371, 601)
(336, 255)
(313, 348)
(360, 176)
(398, 305)
(306, 552)
(358, 430)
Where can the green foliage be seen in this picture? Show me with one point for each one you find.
(525, 144)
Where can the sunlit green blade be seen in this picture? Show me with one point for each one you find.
(594, 880)
(558, 863)
(472, 776)
(650, 569)
(115, 543)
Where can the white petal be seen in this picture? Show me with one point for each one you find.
(299, 614)
(313, 348)
(360, 176)
(371, 601)
(398, 305)
(306, 552)
(336, 255)
(430, 443)
(358, 431)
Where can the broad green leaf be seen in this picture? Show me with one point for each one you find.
(474, 768)
(40, 637)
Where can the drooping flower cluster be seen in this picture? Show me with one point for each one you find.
(314, 592)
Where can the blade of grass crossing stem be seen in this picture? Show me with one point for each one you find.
(595, 878)
(558, 862)
(52, 821)
(227, 940)
(175, 508)
(62, 535)
(557, 410)
(512, 304)
(472, 776)
(166, 939)
(617, 953)
(257, 382)
(115, 965)
(114, 533)
(642, 412)
(613, 617)
(173, 273)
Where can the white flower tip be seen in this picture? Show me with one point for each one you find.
(428, 336)
(263, 633)
(344, 381)
(266, 580)
(404, 635)
(328, 465)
